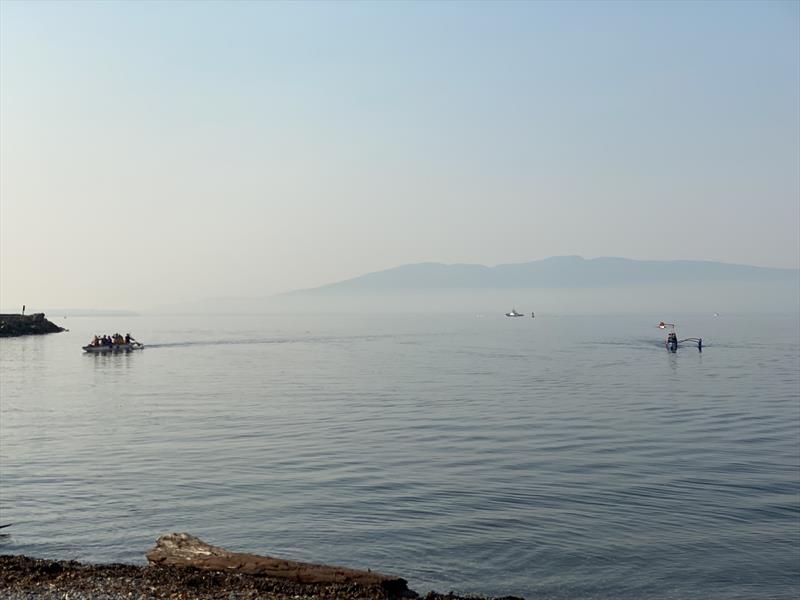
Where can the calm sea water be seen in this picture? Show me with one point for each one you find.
(556, 457)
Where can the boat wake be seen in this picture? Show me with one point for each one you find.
(645, 343)
(262, 341)
(222, 343)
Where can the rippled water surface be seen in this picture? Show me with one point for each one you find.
(556, 457)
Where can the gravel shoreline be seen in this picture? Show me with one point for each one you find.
(24, 578)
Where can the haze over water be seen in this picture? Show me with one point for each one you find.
(556, 457)
(244, 149)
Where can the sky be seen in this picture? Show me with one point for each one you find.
(159, 152)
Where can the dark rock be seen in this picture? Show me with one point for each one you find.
(36, 324)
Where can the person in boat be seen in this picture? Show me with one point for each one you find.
(128, 338)
(95, 342)
(672, 340)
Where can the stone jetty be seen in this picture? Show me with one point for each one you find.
(35, 324)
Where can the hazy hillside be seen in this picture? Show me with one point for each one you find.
(556, 272)
(567, 284)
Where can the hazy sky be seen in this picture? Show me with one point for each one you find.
(159, 152)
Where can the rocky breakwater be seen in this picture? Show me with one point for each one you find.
(36, 324)
(184, 567)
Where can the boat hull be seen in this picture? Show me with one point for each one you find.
(114, 348)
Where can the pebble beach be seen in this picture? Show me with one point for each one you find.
(26, 578)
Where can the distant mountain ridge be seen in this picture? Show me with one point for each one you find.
(555, 272)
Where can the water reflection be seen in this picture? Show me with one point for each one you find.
(575, 458)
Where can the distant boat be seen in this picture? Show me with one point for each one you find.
(514, 313)
(672, 341)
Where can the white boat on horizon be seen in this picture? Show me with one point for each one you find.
(514, 313)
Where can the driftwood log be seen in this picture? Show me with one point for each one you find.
(182, 549)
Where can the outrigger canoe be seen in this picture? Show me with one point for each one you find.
(114, 348)
(672, 341)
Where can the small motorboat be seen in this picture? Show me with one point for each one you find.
(113, 343)
(113, 348)
(514, 313)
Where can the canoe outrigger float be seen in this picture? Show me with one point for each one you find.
(672, 341)
(113, 348)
